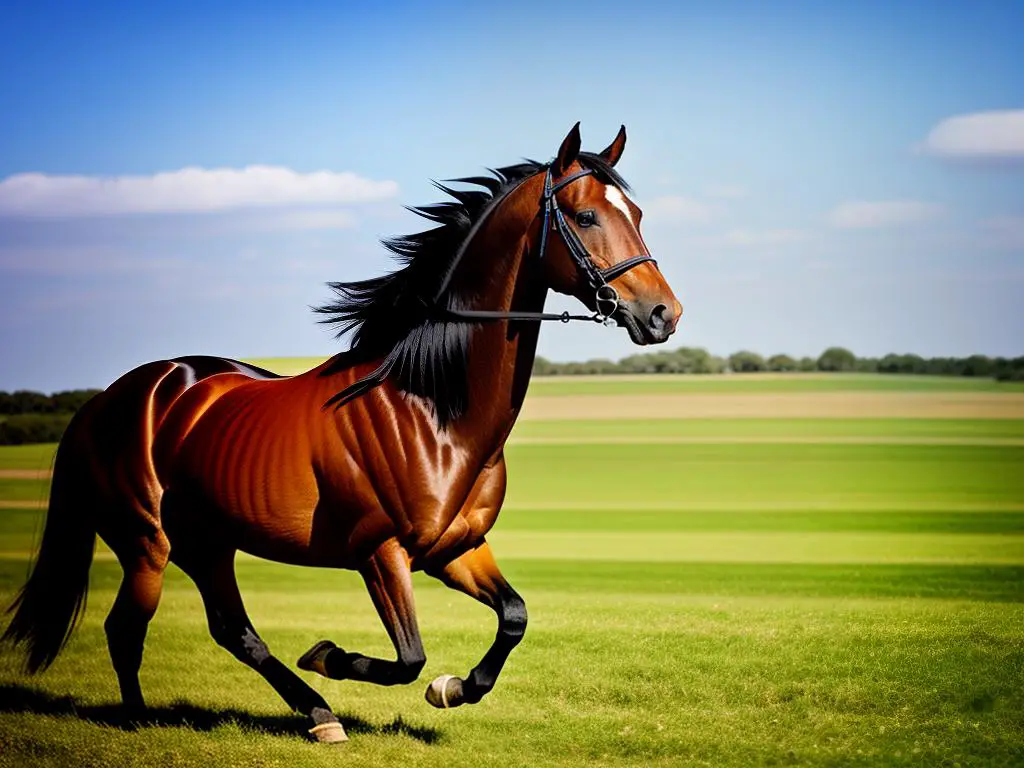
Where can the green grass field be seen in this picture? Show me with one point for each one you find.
(701, 592)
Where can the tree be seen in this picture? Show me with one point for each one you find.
(745, 361)
(782, 363)
(902, 364)
(977, 365)
(544, 367)
(26, 401)
(1009, 370)
(70, 401)
(837, 359)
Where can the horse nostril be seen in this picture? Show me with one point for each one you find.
(660, 318)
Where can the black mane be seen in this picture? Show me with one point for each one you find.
(393, 317)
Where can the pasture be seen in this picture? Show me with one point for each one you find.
(792, 586)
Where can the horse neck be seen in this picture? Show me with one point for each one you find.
(501, 353)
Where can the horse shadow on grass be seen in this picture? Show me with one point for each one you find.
(23, 699)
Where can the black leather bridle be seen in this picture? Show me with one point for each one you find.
(606, 298)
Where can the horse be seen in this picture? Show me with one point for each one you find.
(385, 459)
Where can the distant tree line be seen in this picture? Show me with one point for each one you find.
(32, 417)
(696, 360)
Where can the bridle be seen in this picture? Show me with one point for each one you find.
(606, 298)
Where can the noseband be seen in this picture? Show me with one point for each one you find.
(606, 298)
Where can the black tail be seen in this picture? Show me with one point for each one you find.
(52, 600)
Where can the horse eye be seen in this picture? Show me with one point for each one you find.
(586, 219)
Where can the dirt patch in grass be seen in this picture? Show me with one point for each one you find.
(802, 405)
(24, 474)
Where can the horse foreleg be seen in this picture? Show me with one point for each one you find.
(477, 574)
(389, 582)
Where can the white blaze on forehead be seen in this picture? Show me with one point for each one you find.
(614, 196)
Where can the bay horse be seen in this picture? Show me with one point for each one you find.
(385, 459)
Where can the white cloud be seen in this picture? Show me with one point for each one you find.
(883, 213)
(980, 135)
(727, 191)
(679, 209)
(188, 190)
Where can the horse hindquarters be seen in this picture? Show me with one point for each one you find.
(103, 482)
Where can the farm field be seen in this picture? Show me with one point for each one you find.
(730, 591)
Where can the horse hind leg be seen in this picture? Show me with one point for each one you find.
(231, 628)
(136, 602)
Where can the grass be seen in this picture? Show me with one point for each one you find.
(733, 604)
(27, 456)
(23, 490)
(766, 476)
(624, 664)
(741, 429)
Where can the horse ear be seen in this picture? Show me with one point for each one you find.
(568, 152)
(613, 151)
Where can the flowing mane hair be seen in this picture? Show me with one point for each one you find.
(395, 316)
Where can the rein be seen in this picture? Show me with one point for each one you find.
(606, 298)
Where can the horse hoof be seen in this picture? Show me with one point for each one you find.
(313, 659)
(445, 692)
(329, 733)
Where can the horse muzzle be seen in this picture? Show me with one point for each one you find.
(647, 322)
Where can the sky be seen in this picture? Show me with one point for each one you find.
(185, 178)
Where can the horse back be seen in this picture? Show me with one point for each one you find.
(126, 432)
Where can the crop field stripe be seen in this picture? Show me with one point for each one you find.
(24, 474)
(759, 382)
(754, 427)
(44, 474)
(533, 576)
(740, 384)
(762, 439)
(794, 521)
(762, 546)
(786, 405)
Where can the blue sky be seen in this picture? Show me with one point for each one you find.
(811, 174)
